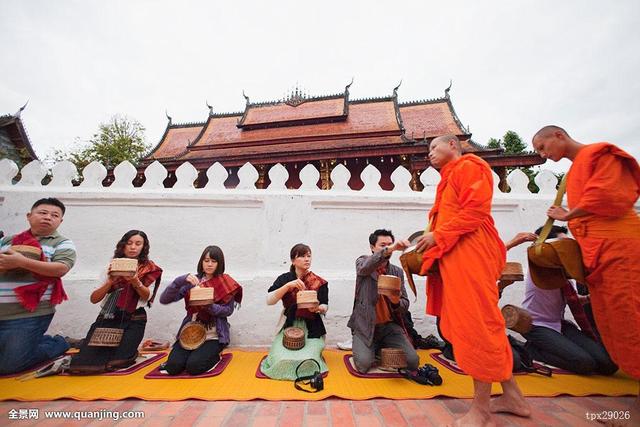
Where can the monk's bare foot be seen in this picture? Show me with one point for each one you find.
(475, 418)
(512, 404)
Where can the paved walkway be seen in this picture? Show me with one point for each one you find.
(559, 411)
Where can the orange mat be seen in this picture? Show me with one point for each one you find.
(238, 382)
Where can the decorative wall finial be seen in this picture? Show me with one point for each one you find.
(446, 91)
(168, 116)
(209, 107)
(245, 97)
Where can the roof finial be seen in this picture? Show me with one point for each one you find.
(168, 116)
(446, 91)
(245, 97)
(346, 88)
(395, 89)
(209, 107)
(17, 114)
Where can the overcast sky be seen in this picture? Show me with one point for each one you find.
(515, 65)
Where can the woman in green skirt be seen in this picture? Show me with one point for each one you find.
(281, 363)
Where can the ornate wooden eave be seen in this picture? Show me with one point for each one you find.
(314, 154)
(17, 132)
(302, 139)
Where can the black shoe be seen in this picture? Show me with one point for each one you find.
(429, 342)
(74, 342)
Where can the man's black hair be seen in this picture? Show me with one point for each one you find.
(49, 201)
(555, 230)
(373, 238)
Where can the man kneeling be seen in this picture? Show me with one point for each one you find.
(376, 320)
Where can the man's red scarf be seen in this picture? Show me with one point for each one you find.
(148, 272)
(571, 298)
(30, 295)
(225, 288)
(312, 282)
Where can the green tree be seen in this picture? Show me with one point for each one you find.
(494, 143)
(513, 145)
(120, 139)
(19, 155)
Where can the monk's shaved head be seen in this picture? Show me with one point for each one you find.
(444, 149)
(448, 138)
(548, 131)
(554, 143)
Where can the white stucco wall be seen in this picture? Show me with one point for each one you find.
(255, 229)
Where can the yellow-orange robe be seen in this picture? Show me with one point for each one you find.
(605, 181)
(470, 256)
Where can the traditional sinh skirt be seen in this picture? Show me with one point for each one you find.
(281, 363)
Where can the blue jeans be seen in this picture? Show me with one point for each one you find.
(23, 343)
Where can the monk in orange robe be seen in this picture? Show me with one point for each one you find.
(603, 185)
(465, 244)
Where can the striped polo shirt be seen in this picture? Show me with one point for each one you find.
(56, 248)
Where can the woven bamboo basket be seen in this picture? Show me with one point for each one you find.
(512, 272)
(388, 285)
(192, 335)
(200, 296)
(516, 318)
(392, 359)
(123, 267)
(28, 251)
(307, 299)
(293, 338)
(106, 337)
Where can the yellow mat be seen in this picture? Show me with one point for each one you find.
(238, 382)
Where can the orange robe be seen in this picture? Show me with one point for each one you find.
(470, 256)
(605, 181)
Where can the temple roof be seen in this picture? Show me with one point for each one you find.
(296, 110)
(175, 140)
(315, 123)
(430, 119)
(13, 126)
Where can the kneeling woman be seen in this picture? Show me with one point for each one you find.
(281, 363)
(123, 300)
(212, 316)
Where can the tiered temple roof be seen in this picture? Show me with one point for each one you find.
(301, 128)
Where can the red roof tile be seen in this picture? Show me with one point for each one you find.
(372, 117)
(430, 119)
(283, 112)
(369, 123)
(291, 148)
(175, 141)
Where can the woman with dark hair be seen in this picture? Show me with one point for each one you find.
(281, 363)
(227, 293)
(123, 300)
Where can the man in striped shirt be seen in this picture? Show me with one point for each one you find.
(24, 319)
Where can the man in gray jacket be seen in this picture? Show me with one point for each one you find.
(376, 321)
